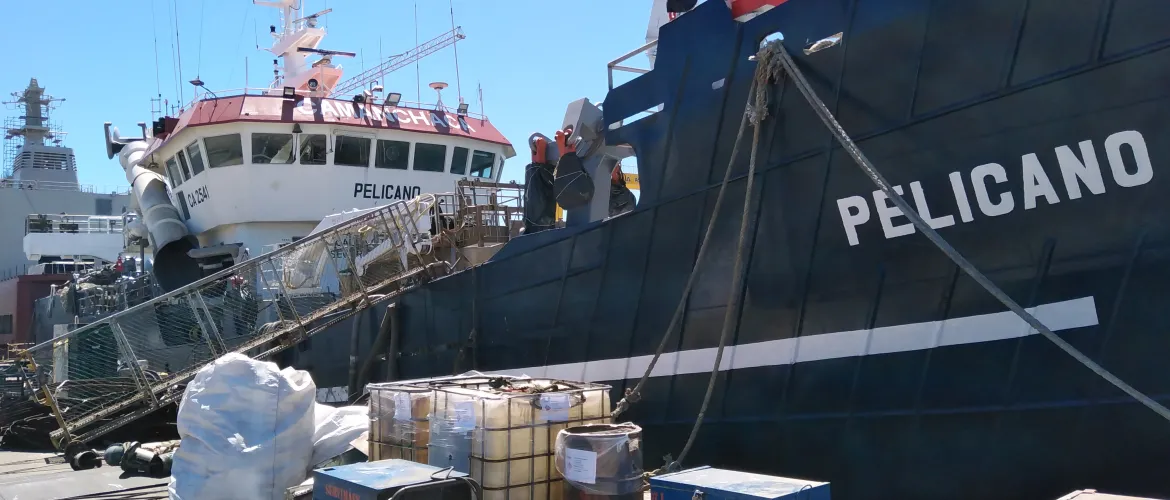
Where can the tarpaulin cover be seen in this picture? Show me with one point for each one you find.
(247, 431)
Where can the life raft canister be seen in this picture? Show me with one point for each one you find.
(744, 10)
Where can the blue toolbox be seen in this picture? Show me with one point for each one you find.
(706, 483)
(381, 480)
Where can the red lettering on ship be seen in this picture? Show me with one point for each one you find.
(333, 491)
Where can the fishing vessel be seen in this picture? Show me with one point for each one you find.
(1029, 135)
(858, 351)
(243, 172)
(239, 173)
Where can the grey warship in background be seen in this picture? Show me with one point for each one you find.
(54, 231)
(1033, 135)
(51, 225)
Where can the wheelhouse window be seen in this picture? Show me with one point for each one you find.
(430, 157)
(459, 161)
(351, 151)
(313, 147)
(196, 157)
(183, 165)
(481, 164)
(173, 172)
(224, 150)
(392, 154)
(272, 148)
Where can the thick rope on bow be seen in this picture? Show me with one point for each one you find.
(635, 394)
(768, 71)
(961, 262)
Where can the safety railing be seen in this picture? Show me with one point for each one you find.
(488, 212)
(47, 223)
(276, 93)
(62, 186)
(616, 63)
(110, 372)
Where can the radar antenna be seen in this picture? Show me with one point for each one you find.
(439, 86)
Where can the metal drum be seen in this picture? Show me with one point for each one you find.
(601, 461)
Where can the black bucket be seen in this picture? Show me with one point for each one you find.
(601, 461)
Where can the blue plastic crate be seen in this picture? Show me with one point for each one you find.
(706, 483)
(380, 480)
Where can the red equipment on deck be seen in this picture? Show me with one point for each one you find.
(743, 10)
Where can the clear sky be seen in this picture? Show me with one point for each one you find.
(532, 57)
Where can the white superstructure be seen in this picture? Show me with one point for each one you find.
(248, 170)
(40, 179)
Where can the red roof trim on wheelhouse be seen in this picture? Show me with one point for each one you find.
(278, 109)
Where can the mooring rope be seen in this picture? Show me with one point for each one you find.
(756, 111)
(774, 61)
(635, 394)
(785, 59)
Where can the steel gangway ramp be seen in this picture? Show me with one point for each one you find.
(108, 373)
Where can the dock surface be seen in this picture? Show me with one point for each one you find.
(44, 476)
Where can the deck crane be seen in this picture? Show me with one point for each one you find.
(398, 61)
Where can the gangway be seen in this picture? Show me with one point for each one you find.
(106, 374)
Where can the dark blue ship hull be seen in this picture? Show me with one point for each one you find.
(1033, 134)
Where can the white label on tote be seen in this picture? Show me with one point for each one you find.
(465, 415)
(401, 406)
(555, 407)
(581, 466)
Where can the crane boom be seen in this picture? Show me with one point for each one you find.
(395, 62)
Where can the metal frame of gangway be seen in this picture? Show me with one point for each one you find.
(155, 395)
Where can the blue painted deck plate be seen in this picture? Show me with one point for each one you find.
(720, 484)
(373, 480)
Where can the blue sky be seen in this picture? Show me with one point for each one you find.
(532, 57)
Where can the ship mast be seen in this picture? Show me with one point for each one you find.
(36, 105)
(32, 127)
(294, 41)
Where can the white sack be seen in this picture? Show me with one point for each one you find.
(246, 430)
(335, 428)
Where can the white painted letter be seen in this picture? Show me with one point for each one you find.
(961, 197)
(978, 182)
(852, 220)
(420, 117)
(327, 110)
(1036, 183)
(1087, 171)
(1134, 139)
(924, 211)
(887, 212)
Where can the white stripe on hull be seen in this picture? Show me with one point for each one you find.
(1076, 313)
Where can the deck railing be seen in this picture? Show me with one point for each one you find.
(64, 223)
(202, 95)
(63, 186)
